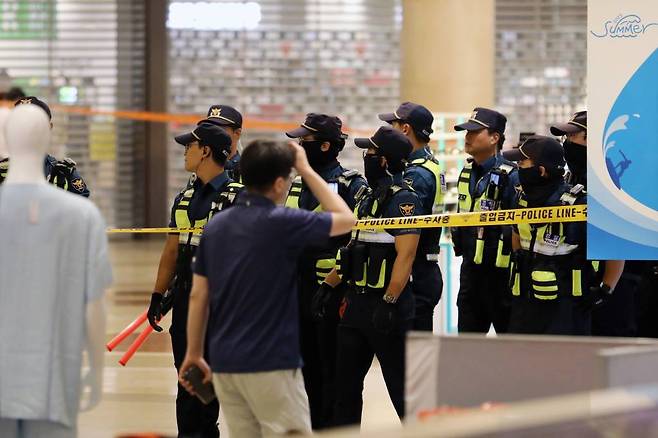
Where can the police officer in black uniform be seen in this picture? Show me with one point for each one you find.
(426, 176)
(487, 182)
(61, 173)
(207, 148)
(379, 306)
(322, 138)
(230, 120)
(617, 316)
(550, 275)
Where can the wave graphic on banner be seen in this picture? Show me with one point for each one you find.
(623, 173)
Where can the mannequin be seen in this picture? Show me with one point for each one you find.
(27, 132)
(4, 113)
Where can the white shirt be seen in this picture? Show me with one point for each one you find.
(53, 260)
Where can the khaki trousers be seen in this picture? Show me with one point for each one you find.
(265, 404)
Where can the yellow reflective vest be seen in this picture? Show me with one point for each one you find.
(548, 265)
(224, 199)
(490, 199)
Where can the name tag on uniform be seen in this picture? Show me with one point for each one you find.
(552, 239)
(486, 205)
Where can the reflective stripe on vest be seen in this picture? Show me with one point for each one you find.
(380, 244)
(224, 199)
(57, 182)
(467, 204)
(295, 193)
(439, 179)
(546, 243)
(547, 240)
(322, 266)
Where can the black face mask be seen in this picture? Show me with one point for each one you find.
(316, 157)
(536, 188)
(373, 169)
(576, 156)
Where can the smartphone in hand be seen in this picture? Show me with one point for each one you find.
(204, 391)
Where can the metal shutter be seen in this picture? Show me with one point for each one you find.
(541, 62)
(334, 56)
(87, 53)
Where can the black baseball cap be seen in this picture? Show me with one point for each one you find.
(577, 123)
(392, 144)
(542, 150)
(207, 134)
(223, 115)
(322, 125)
(35, 101)
(419, 117)
(484, 118)
(523, 136)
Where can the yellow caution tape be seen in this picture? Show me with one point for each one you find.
(575, 213)
(153, 230)
(569, 213)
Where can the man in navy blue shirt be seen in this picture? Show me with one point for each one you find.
(245, 301)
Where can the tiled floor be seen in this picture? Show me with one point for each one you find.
(140, 397)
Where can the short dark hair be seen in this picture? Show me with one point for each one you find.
(14, 94)
(216, 154)
(501, 138)
(263, 161)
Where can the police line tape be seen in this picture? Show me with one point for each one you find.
(569, 213)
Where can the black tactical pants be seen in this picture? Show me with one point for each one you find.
(427, 287)
(616, 317)
(483, 299)
(358, 343)
(318, 349)
(562, 316)
(194, 419)
(646, 309)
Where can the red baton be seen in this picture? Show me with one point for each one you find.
(135, 345)
(123, 334)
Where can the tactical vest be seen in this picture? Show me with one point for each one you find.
(224, 199)
(60, 172)
(489, 200)
(325, 261)
(367, 262)
(547, 264)
(433, 166)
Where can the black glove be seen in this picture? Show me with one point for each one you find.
(597, 296)
(154, 313)
(385, 318)
(320, 300)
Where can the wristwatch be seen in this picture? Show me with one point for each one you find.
(390, 299)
